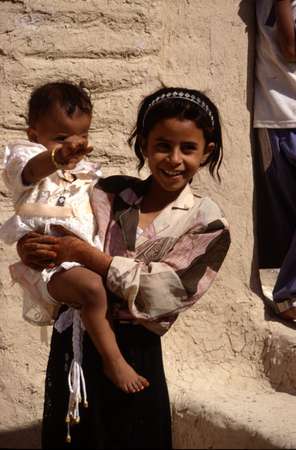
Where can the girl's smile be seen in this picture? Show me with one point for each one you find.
(174, 151)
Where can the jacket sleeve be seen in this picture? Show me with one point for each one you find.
(163, 288)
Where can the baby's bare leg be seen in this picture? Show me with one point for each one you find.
(84, 288)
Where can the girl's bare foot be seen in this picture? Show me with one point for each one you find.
(124, 376)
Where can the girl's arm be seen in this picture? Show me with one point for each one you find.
(71, 248)
(286, 29)
(155, 291)
(40, 251)
(159, 290)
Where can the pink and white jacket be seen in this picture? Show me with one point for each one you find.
(165, 269)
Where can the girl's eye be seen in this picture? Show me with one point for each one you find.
(188, 148)
(163, 146)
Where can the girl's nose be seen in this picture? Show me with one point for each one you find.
(175, 156)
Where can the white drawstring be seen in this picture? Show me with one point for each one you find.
(75, 376)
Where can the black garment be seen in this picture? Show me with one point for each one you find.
(113, 419)
(275, 180)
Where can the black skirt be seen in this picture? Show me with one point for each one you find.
(113, 419)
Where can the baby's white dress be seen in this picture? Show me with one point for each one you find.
(62, 198)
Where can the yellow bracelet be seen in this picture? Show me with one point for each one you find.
(54, 161)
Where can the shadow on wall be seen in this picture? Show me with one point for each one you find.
(28, 437)
(199, 432)
(248, 16)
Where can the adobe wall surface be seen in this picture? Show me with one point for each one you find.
(124, 49)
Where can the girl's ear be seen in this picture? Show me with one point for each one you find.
(32, 134)
(208, 149)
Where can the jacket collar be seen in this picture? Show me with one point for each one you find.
(133, 197)
(126, 210)
(185, 199)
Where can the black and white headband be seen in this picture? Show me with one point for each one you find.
(183, 96)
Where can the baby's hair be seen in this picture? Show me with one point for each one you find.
(182, 104)
(66, 94)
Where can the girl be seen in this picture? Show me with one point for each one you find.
(51, 183)
(163, 247)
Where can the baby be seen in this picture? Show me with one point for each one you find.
(51, 181)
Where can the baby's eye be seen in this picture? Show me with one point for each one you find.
(60, 138)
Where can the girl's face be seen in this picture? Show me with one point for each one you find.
(174, 150)
(56, 126)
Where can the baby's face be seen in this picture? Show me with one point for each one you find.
(56, 126)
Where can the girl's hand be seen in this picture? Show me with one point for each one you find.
(67, 246)
(70, 247)
(36, 250)
(71, 151)
(40, 251)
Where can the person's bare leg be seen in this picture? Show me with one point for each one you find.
(289, 314)
(84, 288)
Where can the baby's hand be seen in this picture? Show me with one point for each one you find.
(71, 151)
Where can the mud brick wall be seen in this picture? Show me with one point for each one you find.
(123, 50)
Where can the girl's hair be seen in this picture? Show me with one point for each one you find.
(182, 104)
(68, 95)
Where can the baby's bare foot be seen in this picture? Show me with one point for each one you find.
(124, 376)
